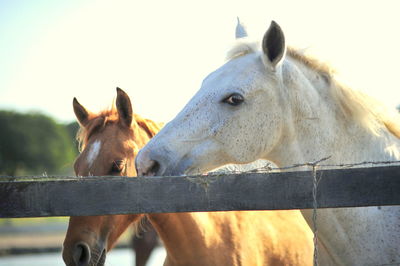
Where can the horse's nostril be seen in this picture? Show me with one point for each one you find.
(146, 166)
(81, 254)
(154, 168)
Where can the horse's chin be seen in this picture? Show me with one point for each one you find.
(184, 167)
(98, 258)
(177, 172)
(90, 257)
(192, 171)
(102, 259)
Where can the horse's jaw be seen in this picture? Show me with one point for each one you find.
(89, 238)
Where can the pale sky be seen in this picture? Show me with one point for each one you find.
(160, 51)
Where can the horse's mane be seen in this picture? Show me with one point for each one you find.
(109, 116)
(372, 114)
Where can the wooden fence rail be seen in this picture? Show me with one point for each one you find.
(70, 196)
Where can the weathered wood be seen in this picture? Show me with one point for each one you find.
(34, 197)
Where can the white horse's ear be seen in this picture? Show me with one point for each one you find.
(273, 45)
(240, 30)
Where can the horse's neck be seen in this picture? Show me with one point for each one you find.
(185, 234)
(315, 129)
(322, 140)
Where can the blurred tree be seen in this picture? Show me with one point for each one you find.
(72, 129)
(34, 144)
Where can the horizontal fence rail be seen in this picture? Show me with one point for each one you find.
(77, 196)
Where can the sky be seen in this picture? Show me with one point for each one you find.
(160, 51)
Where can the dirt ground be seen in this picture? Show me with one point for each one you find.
(29, 243)
(31, 240)
(39, 241)
(38, 235)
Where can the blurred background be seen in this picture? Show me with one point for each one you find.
(158, 52)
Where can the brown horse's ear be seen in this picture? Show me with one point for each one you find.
(149, 126)
(81, 113)
(124, 108)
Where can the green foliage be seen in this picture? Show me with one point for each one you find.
(34, 144)
(72, 128)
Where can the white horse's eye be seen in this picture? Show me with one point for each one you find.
(234, 99)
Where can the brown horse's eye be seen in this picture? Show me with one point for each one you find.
(117, 166)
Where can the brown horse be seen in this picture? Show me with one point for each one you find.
(110, 142)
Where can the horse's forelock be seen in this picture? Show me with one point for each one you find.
(96, 123)
(99, 121)
(84, 133)
(242, 47)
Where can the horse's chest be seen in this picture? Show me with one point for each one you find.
(361, 236)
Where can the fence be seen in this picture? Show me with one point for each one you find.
(74, 196)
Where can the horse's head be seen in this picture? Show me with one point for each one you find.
(235, 101)
(110, 141)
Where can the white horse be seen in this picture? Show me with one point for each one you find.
(277, 104)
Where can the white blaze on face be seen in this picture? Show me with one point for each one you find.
(93, 152)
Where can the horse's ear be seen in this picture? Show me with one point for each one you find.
(240, 30)
(80, 112)
(124, 108)
(273, 45)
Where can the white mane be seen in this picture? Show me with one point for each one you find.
(355, 105)
(242, 46)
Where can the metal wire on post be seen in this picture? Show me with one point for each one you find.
(314, 216)
(314, 166)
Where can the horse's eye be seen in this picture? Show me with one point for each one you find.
(117, 166)
(234, 99)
